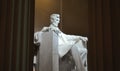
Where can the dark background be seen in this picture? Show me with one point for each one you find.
(74, 17)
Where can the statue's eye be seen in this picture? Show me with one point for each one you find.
(57, 17)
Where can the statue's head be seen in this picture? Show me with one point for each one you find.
(55, 19)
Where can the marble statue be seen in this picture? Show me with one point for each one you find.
(74, 43)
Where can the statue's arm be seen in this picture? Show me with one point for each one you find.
(36, 43)
(76, 37)
(36, 37)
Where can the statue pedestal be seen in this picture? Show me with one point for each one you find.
(48, 58)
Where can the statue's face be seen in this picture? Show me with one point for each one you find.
(55, 19)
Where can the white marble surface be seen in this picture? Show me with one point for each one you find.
(77, 44)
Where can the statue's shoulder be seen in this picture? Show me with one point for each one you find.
(41, 31)
(44, 29)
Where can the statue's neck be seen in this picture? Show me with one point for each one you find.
(53, 25)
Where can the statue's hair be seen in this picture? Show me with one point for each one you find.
(52, 15)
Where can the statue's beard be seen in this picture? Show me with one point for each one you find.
(55, 24)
